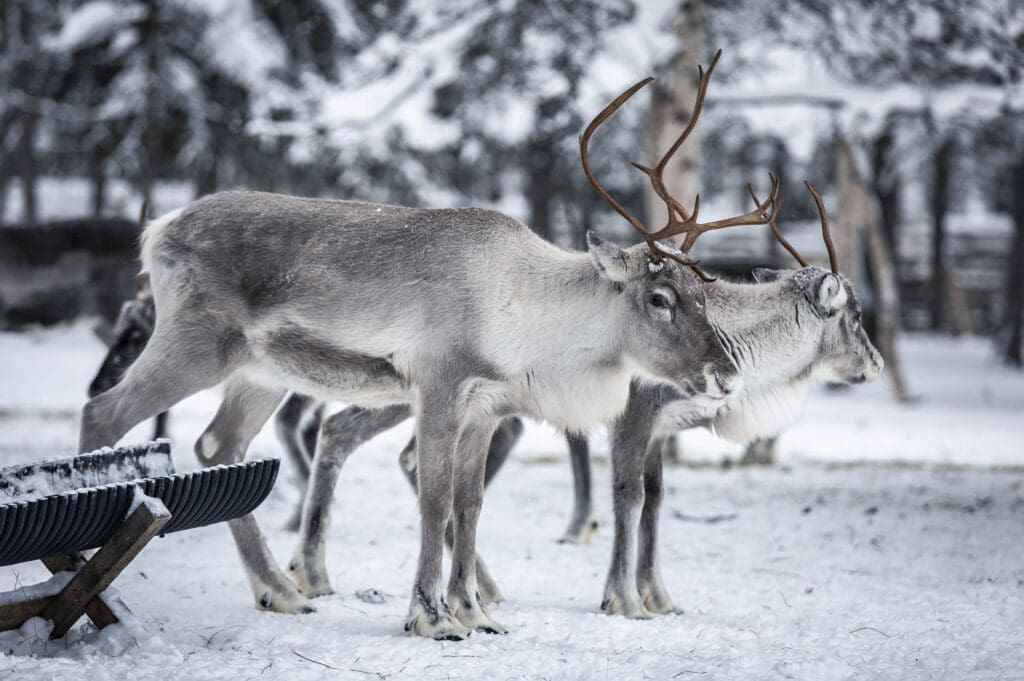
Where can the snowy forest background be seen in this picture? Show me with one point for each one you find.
(104, 103)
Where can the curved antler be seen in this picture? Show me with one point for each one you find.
(680, 221)
(826, 233)
(600, 118)
(655, 173)
(777, 232)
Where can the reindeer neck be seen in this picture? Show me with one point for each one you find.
(764, 329)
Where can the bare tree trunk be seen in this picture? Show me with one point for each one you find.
(671, 108)
(540, 189)
(887, 298)
(99, 182)
(4, 178)
(27, 168)
(848, 220)
(206, 178)
(1014, 315)
(885, 181)
(151, 132)
(860, 202)
(940, 206)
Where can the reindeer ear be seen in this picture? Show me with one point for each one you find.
(763, 275)
(831, 295)
(613, 262)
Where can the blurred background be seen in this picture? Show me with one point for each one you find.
(906, 114)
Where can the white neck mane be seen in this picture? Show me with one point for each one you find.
(774, 354)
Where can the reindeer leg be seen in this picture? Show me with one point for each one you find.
(437, 434)
(340, 435)
(244, 410)
(288, 424)
(582, 525)
(471, 464)
(505, 437)
(648, 573)
(629, 446)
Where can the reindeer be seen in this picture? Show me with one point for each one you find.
(464, 313)
(783, 331)
(308, 565)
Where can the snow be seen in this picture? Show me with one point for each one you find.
(32, 591)
(57, 476)
(886, 544)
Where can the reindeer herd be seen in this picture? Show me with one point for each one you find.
(466, 320)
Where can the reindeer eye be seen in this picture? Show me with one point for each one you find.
(657, 300)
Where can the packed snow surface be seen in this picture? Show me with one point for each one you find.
(887, 543)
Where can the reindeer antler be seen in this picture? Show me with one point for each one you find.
(826, 233)
(680, 221)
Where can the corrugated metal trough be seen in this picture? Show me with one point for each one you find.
(74, 504)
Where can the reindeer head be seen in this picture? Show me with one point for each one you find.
(845, 353)
(669, 335)
(662, 283)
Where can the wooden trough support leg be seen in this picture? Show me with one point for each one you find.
(97, 610)
(96, 575)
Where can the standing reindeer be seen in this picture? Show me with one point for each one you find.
(783, 331)
(308, 566)
(464, 313)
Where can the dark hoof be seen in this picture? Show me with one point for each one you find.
(492, 630)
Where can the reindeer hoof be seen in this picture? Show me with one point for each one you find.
(312, 583)
(476, 618)
(289, 602)
(580, 533)
(630, 608)
(439, 628)
(656, 600)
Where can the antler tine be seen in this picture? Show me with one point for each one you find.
(601, 117)
(679, 219)
(762, 214)
(777, 232)
(825, 231)
(655, 173)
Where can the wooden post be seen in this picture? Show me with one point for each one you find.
(97, 610)
(96, 575)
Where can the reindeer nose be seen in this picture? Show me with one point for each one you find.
(720, 386)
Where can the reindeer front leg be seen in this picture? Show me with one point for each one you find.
(505, 437)
(437, 432)
(648, 575)
(620, 592)
(464, 595)
(630, 439)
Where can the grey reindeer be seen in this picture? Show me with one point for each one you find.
(464, 313)
(308, 565)
(784, 331)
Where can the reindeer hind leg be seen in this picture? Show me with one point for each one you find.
(243, 411)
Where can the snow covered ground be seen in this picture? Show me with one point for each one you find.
(889, 543)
